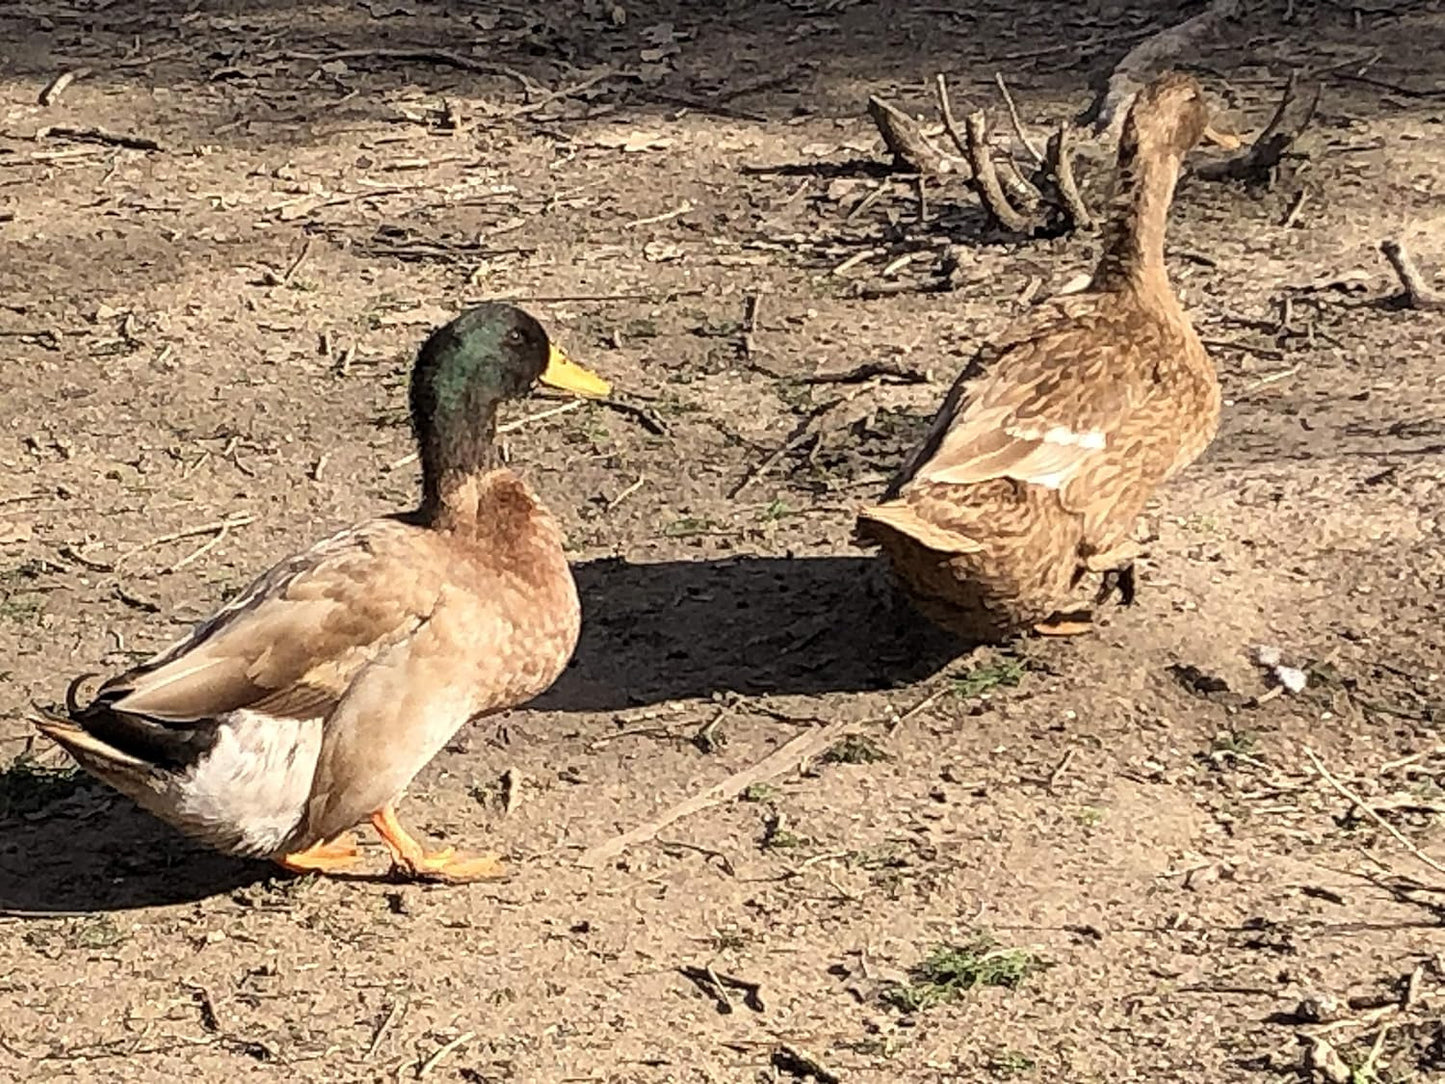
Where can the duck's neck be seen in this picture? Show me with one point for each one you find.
(1138, 216)
(456, 452)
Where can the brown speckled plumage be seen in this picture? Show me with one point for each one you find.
(1055, 435)
(311, 700)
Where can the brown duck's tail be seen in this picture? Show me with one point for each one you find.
(902, 518)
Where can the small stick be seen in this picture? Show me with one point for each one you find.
(202, 550)
(644, 417)
(1061, 767)
(425, 56)
(298, 261)
(800, 749)
(1417, 293)
(435, 1060)
(551, 412)
(565, 92)
(100, 135)
(56, 87)
(1369, 812)
(664, 217)
(798, 1062)
(1295, 207)
(857, 258)
(381, 1029)
(1018, 124)
(725, 1003)
(985, 180)
(922, 706)
(922, 199)
(751, 305)
(945, 109)
(189, 532)
(629, 491)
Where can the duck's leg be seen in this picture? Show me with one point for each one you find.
(328, 856)
(1121, 580)
(443, 865)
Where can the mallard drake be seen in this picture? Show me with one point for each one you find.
(1055, 435)
(309, 702)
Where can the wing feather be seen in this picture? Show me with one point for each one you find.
(293, 641)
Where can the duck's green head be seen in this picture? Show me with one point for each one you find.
(487, 354)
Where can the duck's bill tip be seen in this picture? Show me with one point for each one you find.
(562, 372)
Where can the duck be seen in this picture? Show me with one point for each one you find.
(1056, 434)
(308, 703)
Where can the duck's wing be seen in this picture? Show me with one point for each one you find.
(288, 646)
(1037, 410)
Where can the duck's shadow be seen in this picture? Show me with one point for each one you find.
(651, 632)
(678, 630)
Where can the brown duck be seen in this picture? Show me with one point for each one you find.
(1055, 435)
(308, 703)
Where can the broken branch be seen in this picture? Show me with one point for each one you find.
(1291, 117)
(985, 179)
(904, 138)
(1059, 161)
(1146, 60)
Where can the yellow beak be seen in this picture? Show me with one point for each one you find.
(562, 372)
(1226, 140)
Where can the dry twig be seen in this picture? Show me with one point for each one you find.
(1018, 124)
(432, 1062)
(1059, 162)
(802, 748)
(101, 136)
(1366, 809)
(56, 87)
(1416, 293)
(985, 179)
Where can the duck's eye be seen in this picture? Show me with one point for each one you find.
(515, 337)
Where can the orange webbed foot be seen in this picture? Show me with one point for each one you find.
(443, 865)
(328, 856)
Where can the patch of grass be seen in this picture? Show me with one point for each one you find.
(759, 792)
(1007, 672)
(95, 933)
(778, 837)
(1088, 815)
(854, 749)
(28, 787)
(953, 970)
(687, 527)
(1006, 1064)
(774, 511)
(1234, 742)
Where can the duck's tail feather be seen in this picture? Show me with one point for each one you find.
(903, 519)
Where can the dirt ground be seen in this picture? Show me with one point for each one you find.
(206, 336)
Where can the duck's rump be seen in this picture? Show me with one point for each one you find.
(239, 783)
(1020, 570)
